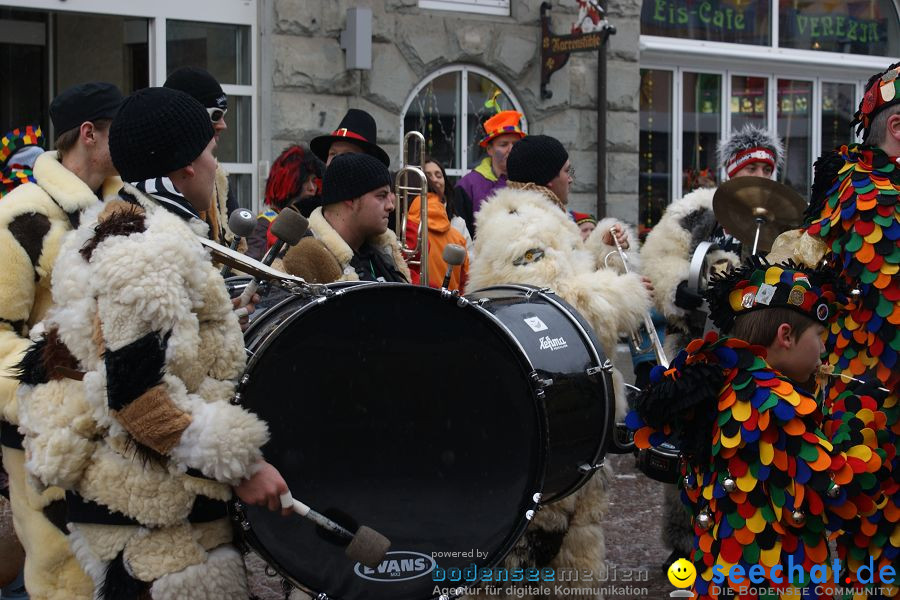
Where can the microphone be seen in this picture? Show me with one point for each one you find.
(241, 223)
(453, 255)
(289, 227)
(366, 546)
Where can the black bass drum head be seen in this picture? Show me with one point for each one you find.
(392, 407)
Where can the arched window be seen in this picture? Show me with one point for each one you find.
(448, 107)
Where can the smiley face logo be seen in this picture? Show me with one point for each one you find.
(682, 573)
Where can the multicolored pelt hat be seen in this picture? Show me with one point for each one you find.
(756, 284)
(19, 138)
(749, 145)
(505, 121)
(881, 93)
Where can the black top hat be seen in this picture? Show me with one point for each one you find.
(357, 127)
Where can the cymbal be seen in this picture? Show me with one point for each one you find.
(742, 203)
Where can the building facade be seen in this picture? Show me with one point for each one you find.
(679, 73)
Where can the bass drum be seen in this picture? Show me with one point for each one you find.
(402, 408)
(574, 376)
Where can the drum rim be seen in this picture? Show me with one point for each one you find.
(587, 334)
(543, 454)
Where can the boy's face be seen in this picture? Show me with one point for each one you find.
(801, 358)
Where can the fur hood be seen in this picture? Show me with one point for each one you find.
(523, 237)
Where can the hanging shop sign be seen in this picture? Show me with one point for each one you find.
(589, 32)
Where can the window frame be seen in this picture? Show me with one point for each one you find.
(464, 69)
(158, 13)
(483, 7)
(772, 77)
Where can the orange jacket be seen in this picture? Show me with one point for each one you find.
(439, 235)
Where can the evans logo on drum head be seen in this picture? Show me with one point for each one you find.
(397, 566)
(536, 324)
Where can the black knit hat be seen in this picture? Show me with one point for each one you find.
(357, 127)
(198, 84)
(535, 159)
(157, 131)
(84, 102)
(352, 175)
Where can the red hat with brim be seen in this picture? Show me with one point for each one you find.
(506, 121)
(357, 127)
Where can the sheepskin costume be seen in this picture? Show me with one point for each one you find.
(126, 404)
(525, 237)
(324, 256)
(35, 218)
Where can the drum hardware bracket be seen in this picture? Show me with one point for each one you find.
(236, 400)
(534, 291)
(245, 379)
(539, 383)
(606, 366)
(586, 468)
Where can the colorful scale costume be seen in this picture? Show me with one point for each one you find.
(763, 480)
(859, 220)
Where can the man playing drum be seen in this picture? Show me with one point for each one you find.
(127, 394)
(526, 236)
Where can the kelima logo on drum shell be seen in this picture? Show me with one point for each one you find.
(400, 565)
(553, 344)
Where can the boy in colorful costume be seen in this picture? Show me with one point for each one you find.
(853, 227)
(501, 132)
(762, 477)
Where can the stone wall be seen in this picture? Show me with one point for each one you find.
(311, 89)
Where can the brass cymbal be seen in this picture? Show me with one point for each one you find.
(741, 203)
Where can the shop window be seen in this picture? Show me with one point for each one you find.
(749, 97)
(856, 27)
(449, 107)
(701, 128)
(655, 143)
(794, 107)
(736, 21)
(485, 7)
(223, 50)
(838, 106)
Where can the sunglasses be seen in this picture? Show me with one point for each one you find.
(216, 114)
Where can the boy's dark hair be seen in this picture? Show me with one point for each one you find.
(67, 139)
(759, 327)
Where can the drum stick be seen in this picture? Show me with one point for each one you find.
(289, 227)
(367, 546)
(453, 255)
(241, 223)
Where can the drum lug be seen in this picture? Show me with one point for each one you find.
(322, 596)
(237, 399)
(586, 468)
(532, 292)
(538, 383)
(606, 366)
(245, 379)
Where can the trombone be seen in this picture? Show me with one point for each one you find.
(636, 338)
(404, 189)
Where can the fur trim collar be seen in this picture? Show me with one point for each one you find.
(386, 243)
(547, 192)
(65, 187)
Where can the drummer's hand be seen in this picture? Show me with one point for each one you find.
(621, 236)
(264, 488)
(244, 313)
(648, 285)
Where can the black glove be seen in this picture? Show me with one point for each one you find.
(687, 299)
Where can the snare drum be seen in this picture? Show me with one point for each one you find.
(423, 416)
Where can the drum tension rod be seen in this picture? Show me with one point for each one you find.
(586, 468)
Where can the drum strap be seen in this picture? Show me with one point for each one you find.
(81, 510)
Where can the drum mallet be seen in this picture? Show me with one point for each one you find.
(453, 255)
(241, 223)
(367, 546)
(289, 227)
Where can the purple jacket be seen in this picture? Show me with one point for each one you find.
(473, 188)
